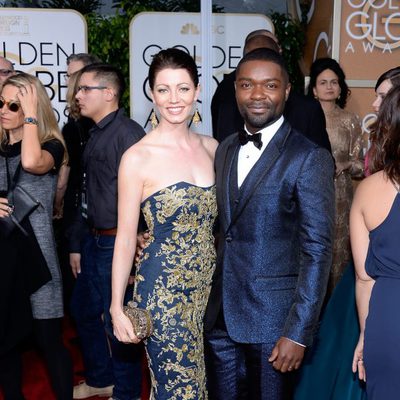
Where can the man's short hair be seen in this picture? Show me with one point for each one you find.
(264, 54)
(84, 58)
(261, 32)
(260, 41)
(107, 75)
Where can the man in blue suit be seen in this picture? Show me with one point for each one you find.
(276, 209)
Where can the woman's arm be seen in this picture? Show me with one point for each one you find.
(356, 149)
(130, 189)
(33, 158)
(359, 236)
(62, 184)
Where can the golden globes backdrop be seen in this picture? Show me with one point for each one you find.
(152, 31)
(319, 31)
(38, 41)
(364, 36)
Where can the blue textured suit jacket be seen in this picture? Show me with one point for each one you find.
(275, 244)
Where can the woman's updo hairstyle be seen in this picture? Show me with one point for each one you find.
(175, 59)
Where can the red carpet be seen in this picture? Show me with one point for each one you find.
(36, 385)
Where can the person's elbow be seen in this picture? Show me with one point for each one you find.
(62, 186)
(35, 165)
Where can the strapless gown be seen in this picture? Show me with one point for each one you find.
(173, 282)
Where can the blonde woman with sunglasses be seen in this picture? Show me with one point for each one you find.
(31, 152)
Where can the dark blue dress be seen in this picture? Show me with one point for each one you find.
(382, 329)
(173, 283)
(326, 370)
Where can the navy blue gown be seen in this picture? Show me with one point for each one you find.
(326, 371)
(173, 282)
(382, 329)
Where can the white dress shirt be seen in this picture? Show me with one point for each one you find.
(249, 154)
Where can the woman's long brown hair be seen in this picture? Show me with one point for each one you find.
(386, 137)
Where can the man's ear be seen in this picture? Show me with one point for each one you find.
(110, 94)
(287, 90)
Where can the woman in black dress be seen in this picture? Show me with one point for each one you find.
(31, 148)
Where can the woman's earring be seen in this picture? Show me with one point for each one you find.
(196, 117)
(153, 119)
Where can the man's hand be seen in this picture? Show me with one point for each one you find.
(286, 355)
(141, 243)
(75, 262)
(131, 279)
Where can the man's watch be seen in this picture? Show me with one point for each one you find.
(31, 120)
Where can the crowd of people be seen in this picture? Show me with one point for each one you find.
(231, 244)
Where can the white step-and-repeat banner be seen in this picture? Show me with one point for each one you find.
(152, 31)
(38, 41)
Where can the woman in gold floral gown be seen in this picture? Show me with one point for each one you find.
(327, 84)
(169, 175)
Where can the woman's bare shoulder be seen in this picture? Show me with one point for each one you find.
(372, 187)
(209, 143)
(139, 153)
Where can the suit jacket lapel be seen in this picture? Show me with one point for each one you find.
(227, 166)
(261, 168)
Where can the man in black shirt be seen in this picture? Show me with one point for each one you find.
(303, 113)
(75, 133)
(100, 89)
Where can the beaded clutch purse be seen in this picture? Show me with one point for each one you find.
(140, 320)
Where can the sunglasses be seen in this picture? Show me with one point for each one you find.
(12, 105)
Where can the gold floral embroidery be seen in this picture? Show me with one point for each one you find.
(177, 299)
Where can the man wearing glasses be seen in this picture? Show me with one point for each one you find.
(99, 92)
(6, 69)
(75, 133)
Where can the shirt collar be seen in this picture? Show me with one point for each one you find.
(109, 118)
(267, 134)
(270, 129)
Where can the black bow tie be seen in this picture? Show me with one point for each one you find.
(244, 138)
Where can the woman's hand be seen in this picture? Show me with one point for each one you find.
(358, 359)
(123, 329)
(342, 166)
(58, 209)
(27, 96)
(5, 208)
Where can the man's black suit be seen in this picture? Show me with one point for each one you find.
(303, 113)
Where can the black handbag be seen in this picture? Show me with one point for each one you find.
(22, 204)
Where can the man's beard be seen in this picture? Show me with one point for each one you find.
(259, 121)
